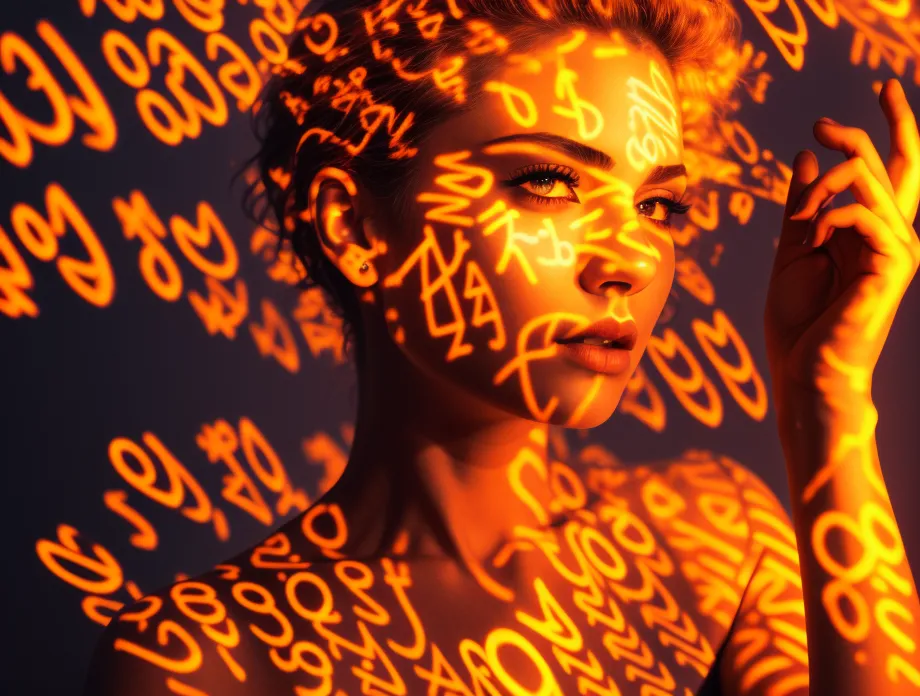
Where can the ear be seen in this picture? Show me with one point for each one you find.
(348, 237)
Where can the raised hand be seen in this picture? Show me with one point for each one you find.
(839, 273)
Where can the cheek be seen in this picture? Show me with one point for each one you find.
(650, 303)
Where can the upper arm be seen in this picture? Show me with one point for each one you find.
(766, 651)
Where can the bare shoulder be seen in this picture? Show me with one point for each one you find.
(714, 515)
(167, 642)
(221, 632)
(702, 486)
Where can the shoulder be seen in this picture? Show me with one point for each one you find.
(229, 631)
(220, 632)
(734, 532)
(710, 488)
(162, 643)
(715, 515)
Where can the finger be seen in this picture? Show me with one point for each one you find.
(854, 142)
(875, 233)
(804, 172)
(855, 176)
(904, 154)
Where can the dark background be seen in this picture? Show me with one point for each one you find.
(77, 376)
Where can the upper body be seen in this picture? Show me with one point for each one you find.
(485, 190)
(676, 577)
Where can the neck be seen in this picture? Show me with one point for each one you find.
(432, 468)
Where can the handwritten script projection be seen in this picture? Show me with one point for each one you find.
(634, 575)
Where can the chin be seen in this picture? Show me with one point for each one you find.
(580, 400)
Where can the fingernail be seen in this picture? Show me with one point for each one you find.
(831, 121)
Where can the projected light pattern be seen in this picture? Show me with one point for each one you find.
(627, 579)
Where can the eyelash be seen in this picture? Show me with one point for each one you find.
(544, 172)
(677, 207)
(557, 172)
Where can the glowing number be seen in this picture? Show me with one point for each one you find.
(329, 545)
(220, 443)
(504, 638)
(721, 332)
(178, 477)
(266, 606)
(126, 59)
(653, 119)
(14, 49)
(268, 42)
(181, 63)
(91, 279)
(659, 349)
(91, 107)
(146, 536)
(165, 630)
(159, 269)
(275, 478)
(188, 595)
(362, 580)
(322, 667)
(238, 75)
(101, 564)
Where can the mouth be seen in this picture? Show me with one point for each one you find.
(625, 343)
(611, 359)
(603, 347)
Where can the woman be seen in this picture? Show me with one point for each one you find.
(484, 188)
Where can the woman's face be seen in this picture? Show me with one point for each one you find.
(534, 217)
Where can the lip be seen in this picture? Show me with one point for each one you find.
(606, 360)
(608, 329)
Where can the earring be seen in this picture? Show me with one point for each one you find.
(364, 267)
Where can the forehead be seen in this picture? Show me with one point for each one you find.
(600, 90)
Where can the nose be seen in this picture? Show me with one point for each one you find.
(617, 267)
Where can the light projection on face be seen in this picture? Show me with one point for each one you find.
(541, 229)
(534, 215)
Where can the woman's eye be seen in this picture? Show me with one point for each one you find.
(665, 206)
(545, 184)
(548, 187)
(653, 206)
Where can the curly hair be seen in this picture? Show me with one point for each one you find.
(361, 52)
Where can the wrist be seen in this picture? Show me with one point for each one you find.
(836, 404)
(812, 425)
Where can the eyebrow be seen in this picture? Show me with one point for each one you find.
(572, 148)
(588, 155)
